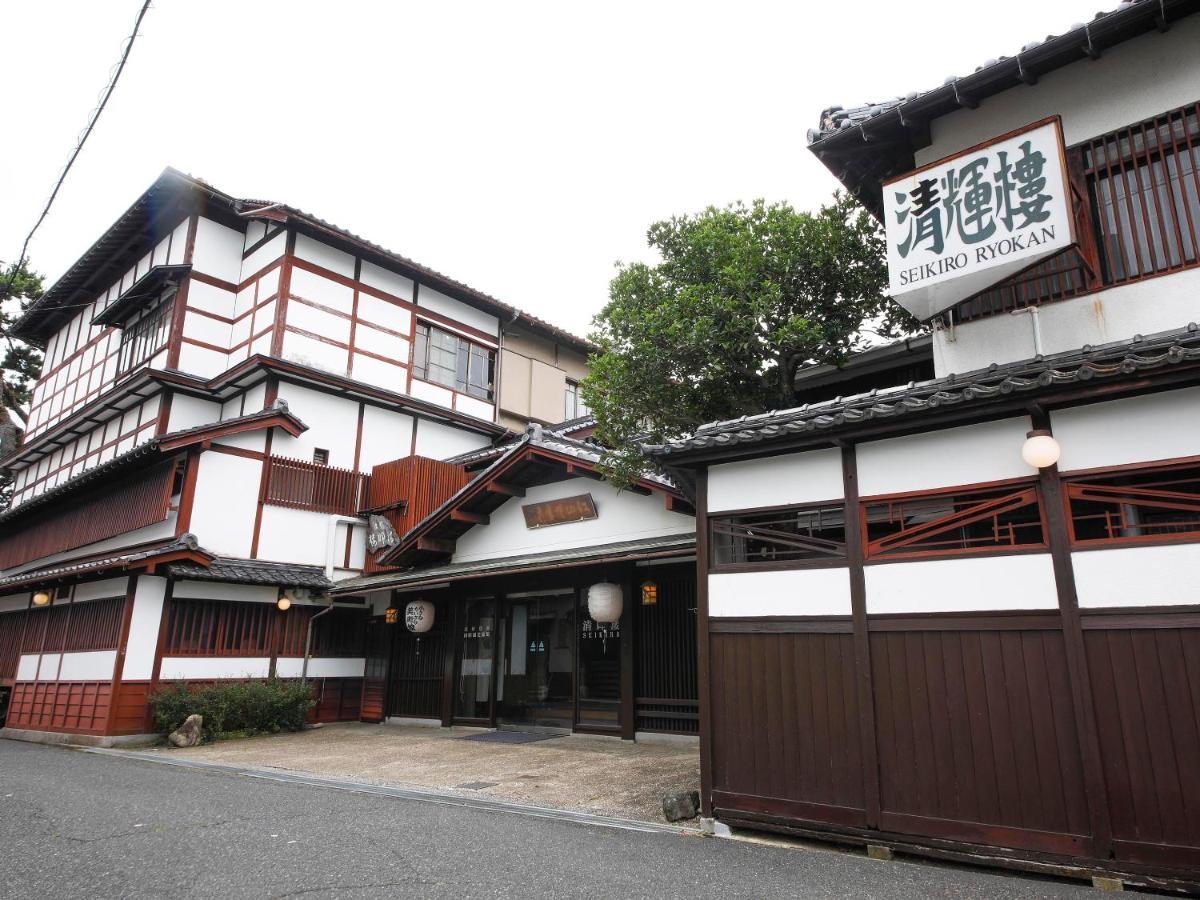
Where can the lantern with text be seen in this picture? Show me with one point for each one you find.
(604, 602)
(418, 616)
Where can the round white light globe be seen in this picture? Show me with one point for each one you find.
(418, 616)
(1040, 451)
(284, 603)
(605, 602)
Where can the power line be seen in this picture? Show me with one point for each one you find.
(84, 135)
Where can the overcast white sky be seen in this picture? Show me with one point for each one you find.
(520, 147)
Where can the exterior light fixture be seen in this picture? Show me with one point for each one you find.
(284, 603)
(649, 593)
(418, 616)
(391, 615)
(41, 598)
(1040, 450)
(605, 602)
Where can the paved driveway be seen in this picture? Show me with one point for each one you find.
(76, 824)
(587, 774)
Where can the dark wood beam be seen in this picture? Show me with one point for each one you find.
(462, 515)
(433, 545)
(504, 488)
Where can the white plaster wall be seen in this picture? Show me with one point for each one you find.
(387, 281)
(12, 602)
(320, 667)
(332, 425)
(188, 412)
(322, 290)
(381, 343)
(776, 480)
(438, 441)
(621, 516)
(48, 668)
(143, 628)
(432, 393)
(1168, 575)
(98, 590)
(202, 361)
(456, 310)
(209, 298)
(215, 590)
(788, 592)
(375, 311)
(1023, 581)
(92, 665)
(203, 668)
(27, 667)
(308, 351)
(382, 374)
(969, 454)
(473, 407)
(1118, 313)
(1130, 82)
(218, 251)
(297, 536)
(386, 435)
(1136, 429)
(318, 321)
(325, 256)
(225, 504)
(267, 253)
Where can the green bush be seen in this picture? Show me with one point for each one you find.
(247, 707)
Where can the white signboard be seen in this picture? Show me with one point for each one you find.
(962, 224)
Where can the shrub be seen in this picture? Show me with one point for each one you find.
(248, 707)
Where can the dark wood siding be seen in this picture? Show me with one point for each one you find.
(667, 699)
(418, 665)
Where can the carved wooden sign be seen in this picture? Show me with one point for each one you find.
(559, 512)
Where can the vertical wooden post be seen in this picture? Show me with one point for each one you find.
(450, 652)
(703, 678)
(1072, 628)
(122, 648)
(159, 647)
(628, 708)
(862, 641)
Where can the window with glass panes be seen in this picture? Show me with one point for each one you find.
(447, 359)
(573, 406)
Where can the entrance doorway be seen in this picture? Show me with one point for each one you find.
(537, 661)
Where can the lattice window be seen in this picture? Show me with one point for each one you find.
(811, 534)
(988, 519)
(1137, 505)
(219, 628)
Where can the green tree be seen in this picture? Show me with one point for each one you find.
(742, 297)
(21, 364)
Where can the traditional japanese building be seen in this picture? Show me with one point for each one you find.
(231, 390)
(960, 615)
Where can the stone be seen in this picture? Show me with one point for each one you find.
(880, 852)
(682, 805)
(189, 733)
(1108, 883)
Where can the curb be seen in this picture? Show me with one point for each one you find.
(444, 798)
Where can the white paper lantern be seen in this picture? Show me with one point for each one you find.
(1040, 450)
(605, 602)
(418, 616)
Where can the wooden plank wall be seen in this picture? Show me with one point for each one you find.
(423, 484)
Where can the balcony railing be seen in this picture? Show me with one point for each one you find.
(297, 484)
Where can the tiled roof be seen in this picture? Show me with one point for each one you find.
(1110, 361)
(119, 560)
(582, 555)
(253, 571)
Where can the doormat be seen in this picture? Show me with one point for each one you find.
(509, 737)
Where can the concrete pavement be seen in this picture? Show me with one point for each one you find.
(76, 824)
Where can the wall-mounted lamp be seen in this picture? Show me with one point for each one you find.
(649, 593)
(284, 603)
(1040, 449)
(391, 615)
(41, 598)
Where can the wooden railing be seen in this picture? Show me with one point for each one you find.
(298, 484)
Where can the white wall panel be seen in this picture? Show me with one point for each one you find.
(322, 290)
(432, 393)
(317, 321)
(179, 242)
(776, 480)
(143, 628)
(788, 592)
(374, 311)
(320, 667)
(381, 343)
(622, 516)
(11, 602)
(199, 327)
(97, 590)
(27, 667)
(218, 251)
(477, 408)
(969, 454)
(1168, 575)
(267, 253)
(202, 295)
(317, 354)
(1137, 429)
(332, 425)
(48, 668)
(456, 310)
(215, 590)
(386, 281)
(1024, 581)
(382, 374)
(438, 441)
(225, 504)
(202, 361)
(324, 256)
(92, 665)
(188, 412)
(297, 536)
(386, 435)
(204, 668)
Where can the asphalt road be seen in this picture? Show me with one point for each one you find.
(75, 824)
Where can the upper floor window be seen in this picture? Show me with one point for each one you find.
(1134, 505)
(574, 407)
(812, 534)
(961, 521)
(145, 334)
(447, 359)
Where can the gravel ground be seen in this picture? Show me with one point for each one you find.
(582, 773)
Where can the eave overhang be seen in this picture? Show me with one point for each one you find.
(147, 288)
(142, 558)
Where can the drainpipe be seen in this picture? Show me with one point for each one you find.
(331, 539)
(308, 639)
(1037, 326)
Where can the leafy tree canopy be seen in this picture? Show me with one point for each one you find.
(742, 298)
(21, 363)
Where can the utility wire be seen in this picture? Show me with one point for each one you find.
(9, 399)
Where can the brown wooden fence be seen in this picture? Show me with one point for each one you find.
(298, 484)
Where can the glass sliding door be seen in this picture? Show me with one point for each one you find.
(599, 670)
(476, 650)
(537, 661)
